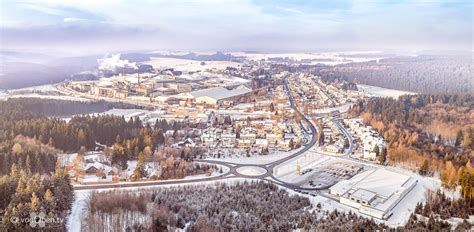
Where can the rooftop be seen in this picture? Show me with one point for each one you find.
(382, 182)
(219, 93)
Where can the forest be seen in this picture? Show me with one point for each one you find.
(437, 203)
(16, 118)
(428, 74)
(243, 206)
(52, 107)
(40, 184)
(403, 124)
(124, 140)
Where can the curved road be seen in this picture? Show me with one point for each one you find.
(233, 173)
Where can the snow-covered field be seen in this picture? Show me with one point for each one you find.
(35, 95)
(402, 211)
(146, 116)
(382, 92)
(326, 58)
(41, 88)
(42, 91)
(189, 65)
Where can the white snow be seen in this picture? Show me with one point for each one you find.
(66, 159)
(189, 65)
(40, 88)
(375, 91)
(402, 211)
(251, 171)
(78, 208)
(327, 58)
(43, 96)
(260, 159)
(287, 170)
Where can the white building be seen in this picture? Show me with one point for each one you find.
(213, 96)
(263, 143)
(375, 192)
(228, 139)
(210, 137)
(333, 148)
(370, 155)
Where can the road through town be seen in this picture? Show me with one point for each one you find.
(233, 168)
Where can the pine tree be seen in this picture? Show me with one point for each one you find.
(49, 201)
(139, 171)
(35, 203)
(14, 173)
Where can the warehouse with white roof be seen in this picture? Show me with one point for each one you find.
(216, 95)
(375, 192)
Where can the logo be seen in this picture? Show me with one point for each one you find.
(37, 219)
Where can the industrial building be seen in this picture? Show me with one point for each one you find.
(216, 95)
(375, 192)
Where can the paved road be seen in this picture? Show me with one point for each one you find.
(233, 172)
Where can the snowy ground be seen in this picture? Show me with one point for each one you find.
(257, 159)
(42, 88)
(327, 58)
(189, 65)
(79, 207)
(66, 159)
(42, 96)
(251, 171)
(146, 116)
(42, 91)
(287, 170)
(382, 92)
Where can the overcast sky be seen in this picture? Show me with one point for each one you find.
(88, 26)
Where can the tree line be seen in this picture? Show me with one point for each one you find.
(53, 107)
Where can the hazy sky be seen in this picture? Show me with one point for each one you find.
(83, 26)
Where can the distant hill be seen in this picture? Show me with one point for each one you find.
(430, 74)
(19, 70)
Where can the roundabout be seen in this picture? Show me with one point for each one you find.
(251, 171)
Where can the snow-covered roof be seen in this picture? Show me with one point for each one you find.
(364, 195)
(220, 93)
(383, 182)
